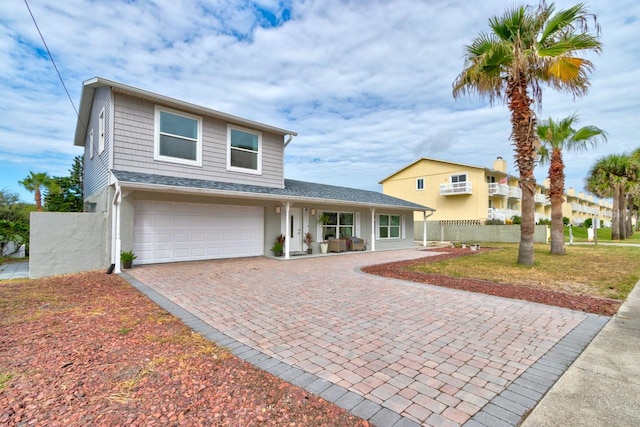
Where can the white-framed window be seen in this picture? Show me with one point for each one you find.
(420, 184)
(389, 226)
(458, 178)
(101, 132)
(177, 137)
(337, 224)
(244, 150)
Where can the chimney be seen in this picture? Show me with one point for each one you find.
(500, 164)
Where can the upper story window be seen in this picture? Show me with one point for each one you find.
(459, 178)
(420, 184)
(244, 150)
(178, 137)
(101, 132)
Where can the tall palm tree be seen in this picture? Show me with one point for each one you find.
(36, 183)
(607, 178)
(528, 47)
(558, 137)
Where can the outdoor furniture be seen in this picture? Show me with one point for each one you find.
(357, 244)
(337, 245)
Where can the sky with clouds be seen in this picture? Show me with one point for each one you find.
(366, 84)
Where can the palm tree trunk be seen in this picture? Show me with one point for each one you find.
(38, 196)
(523, 123)
(556, 191)
(622, 207)
(615, 215)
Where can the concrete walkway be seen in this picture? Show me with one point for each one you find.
(602, 387)
(393, 352)
(14, 270)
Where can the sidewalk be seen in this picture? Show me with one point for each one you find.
(14, 270)
(602, 387)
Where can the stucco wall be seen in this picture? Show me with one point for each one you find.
(476, 233)
(63, 243)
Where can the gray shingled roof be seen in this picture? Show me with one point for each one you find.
(294, 190)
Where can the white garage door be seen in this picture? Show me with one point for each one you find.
(169, 232)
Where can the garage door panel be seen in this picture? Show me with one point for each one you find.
(165, 231)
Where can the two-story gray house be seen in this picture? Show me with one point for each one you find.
(182, 182)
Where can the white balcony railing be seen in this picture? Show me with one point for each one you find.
(515, 193)
(454, 188)
(541, 199)
(496, 189)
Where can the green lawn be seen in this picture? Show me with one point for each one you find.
(600, 271)
(604, 235)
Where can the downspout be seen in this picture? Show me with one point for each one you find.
(288, 141)
(424, 227)
(116, 242)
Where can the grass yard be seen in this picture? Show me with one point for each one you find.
(604, 235)
(600, 271)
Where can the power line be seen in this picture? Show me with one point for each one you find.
(51, 57)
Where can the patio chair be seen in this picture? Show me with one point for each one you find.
(357, 244)
(337, 245)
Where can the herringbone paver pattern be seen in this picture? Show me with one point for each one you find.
(393, 352)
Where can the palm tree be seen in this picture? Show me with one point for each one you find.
(36, 182)
(526, 48)
(557, 137)
(607, 178)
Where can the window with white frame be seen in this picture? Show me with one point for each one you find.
(244, 150)
(178, 137)
(101, 132)
(337, 224)
(459, 178)
(389, 226)
(420, 184)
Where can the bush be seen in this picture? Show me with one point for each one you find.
(544, 221)
(494, 222)
(516, 219)
(587, 223)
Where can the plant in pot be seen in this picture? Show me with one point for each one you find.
(308, 239)
(277, 249)
(127, 258)
(324, 220)
(278, 246)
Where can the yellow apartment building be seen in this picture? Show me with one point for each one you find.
(474, 194)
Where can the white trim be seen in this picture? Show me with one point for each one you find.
(403, 224)
(257, 171)
(91, 143)
(356, 226)
(402, 227)
(156, 138)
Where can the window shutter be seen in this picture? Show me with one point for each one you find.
(357, 225)
(402, 231)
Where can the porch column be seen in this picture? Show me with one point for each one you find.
(287, 227)
(115, 221)
(373, 229)
(424, 229)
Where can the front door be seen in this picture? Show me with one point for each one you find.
(295, 230)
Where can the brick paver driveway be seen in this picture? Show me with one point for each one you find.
(393, 352)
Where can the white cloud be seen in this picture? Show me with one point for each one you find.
(366, 84)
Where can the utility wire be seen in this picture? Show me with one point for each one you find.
(51, 57)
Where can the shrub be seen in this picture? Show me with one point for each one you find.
(587, 223)
(544, 221)
(565, 220)
(516, 219)
(494, 222)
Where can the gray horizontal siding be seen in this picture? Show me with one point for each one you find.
(133, 131)
(96, 170)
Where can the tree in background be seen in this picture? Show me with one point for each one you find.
(558, 137)
(70, 197)
(37, 183)
(608, 178)
(14, 220)
(525, 49)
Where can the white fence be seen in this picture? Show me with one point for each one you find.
(440, 231)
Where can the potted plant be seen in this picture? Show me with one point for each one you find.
(127, 258)
(308, 239)
(324, 219)
(277, 249)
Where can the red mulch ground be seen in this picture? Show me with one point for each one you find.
(89, 349)
(400, 270)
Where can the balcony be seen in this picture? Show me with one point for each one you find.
(496, 189)
(541, 199)
(455, 188)
(515, 193)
